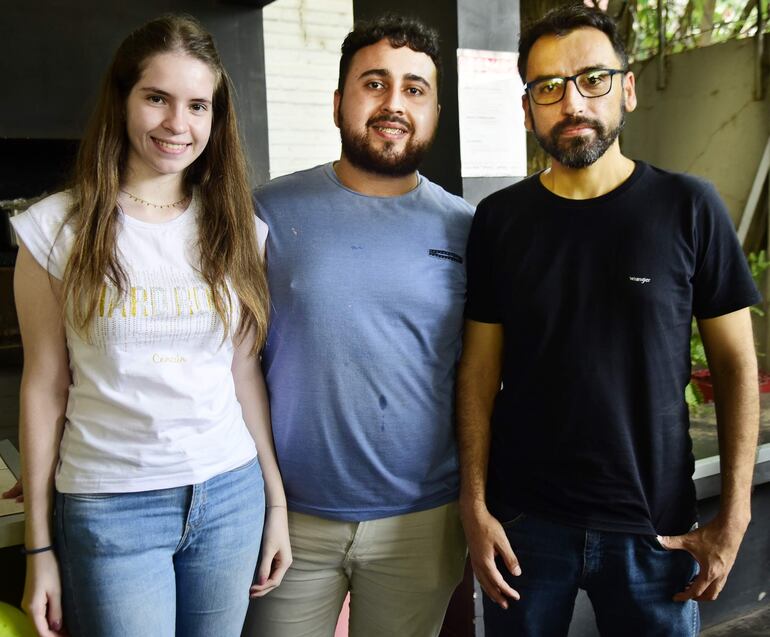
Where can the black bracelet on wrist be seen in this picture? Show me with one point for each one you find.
(42, 549)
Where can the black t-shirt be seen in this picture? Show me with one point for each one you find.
(596, 299)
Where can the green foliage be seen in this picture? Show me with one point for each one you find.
(692, 395)
(697, 351)
(758, 263)
(688, 24)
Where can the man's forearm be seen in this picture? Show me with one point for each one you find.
(473, 433)
(729, 344)
(737, 408)
(478, 382)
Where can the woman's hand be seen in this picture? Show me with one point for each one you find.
(276, 552)
(42, 594)
(14, 493)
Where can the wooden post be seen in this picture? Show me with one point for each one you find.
(758, 52)
(764, 361)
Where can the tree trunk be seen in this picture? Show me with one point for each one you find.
(706, 23)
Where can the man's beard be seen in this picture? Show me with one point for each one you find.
(360, 152)
(580, 151)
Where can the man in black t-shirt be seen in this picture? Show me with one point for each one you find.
(582, 283)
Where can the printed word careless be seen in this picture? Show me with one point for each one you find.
(154, 302)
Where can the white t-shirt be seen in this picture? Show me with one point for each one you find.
(152, 403)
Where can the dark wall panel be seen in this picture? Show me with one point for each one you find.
(491, 25)
(53, 54)
(443, 162)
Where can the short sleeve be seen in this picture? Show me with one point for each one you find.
(481, 304)
(722, 282)
(40, 229)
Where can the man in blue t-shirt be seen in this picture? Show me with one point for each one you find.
(367, 280)
(576, 459)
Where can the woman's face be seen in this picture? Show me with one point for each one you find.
(169, 115)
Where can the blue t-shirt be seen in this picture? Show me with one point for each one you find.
(367, 310)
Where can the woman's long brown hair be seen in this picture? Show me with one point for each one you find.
(226, 235)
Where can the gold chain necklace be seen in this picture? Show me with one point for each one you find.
(144, 202)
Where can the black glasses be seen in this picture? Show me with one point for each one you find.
(591, 83)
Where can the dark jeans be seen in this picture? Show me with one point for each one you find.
(630, 580)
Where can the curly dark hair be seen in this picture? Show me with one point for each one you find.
(400, 31)
(564, 20)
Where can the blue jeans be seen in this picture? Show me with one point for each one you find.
(161, 563)
(630, 580)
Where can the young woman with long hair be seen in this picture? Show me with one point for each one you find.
(143, 305)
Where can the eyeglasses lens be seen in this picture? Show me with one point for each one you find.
(593, 83)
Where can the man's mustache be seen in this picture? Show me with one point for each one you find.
(392, 119)
(569, 122)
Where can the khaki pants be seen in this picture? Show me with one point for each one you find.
(400, 571)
